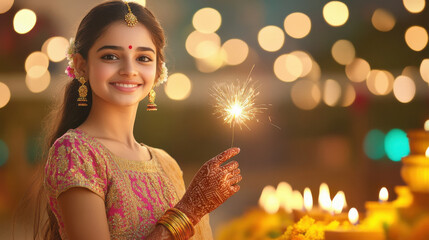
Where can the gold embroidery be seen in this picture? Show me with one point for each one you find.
(136, 194)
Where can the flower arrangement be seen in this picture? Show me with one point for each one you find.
(256, 224)
(308, 229)
(70, 53)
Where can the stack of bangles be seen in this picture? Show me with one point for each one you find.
(177, 223)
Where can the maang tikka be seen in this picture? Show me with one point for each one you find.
(130, 18)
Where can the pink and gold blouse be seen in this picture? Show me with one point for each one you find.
(136, 193)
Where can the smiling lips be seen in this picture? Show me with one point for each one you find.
(126, 86)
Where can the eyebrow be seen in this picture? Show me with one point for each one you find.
(121, 48)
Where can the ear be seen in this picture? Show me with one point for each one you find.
(80, 65)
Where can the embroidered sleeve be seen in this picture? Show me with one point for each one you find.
(72, 163)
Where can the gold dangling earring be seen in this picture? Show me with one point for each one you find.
(151, 106)
(83, 91)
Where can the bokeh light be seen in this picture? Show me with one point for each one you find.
(38, 84)
(5, 5)
(305, 94)
(294, 65)
(178, 86)
(24, 21)
(4, 153)
(358, 70)
(236, 51)
(306, 62)
(349, 96)
(424, 70)
(416, 38)
(212, 63)
(288, 67)
(297, 25)
(202, 45)
(141, 2)
(396, 144)
(335, 13)
(36, 64)
(271, 38)
(315, 72)
(380, 82)
(56, 48)
(4, 94)
(331, 92)
(207, 20)
(343, 52)
(404, 89)
(383, 20)
(373, 144)
(414, 6)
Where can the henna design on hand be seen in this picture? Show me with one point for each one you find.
(211, 186)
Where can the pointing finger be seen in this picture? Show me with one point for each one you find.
(224, 156)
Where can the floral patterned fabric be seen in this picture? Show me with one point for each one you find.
(136, 194)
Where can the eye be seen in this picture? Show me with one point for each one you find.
(144, 59)
(109, 57)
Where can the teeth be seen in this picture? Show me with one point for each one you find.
(125, 85)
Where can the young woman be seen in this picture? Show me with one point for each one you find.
(100, 182)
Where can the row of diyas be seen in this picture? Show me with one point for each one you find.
(284, 198)
(292, 201)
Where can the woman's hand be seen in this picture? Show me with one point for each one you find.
(211, 186)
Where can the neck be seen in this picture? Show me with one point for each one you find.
(113, 122)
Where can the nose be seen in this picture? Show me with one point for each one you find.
(127, 67)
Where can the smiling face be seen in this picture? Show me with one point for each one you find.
(121, 65)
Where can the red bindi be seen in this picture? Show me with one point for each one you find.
(130, 47)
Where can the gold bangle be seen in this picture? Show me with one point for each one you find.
(169, 227)
(186, 220)
(178, 224)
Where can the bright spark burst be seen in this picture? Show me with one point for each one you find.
(235, 102)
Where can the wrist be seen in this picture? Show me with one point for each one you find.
(177, 223)
(187, 210)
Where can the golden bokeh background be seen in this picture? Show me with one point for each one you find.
(329, 72)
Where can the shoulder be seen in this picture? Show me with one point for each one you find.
(73, 161)
(166, 160)
(170, 167)
(71, 141)
(75, 144)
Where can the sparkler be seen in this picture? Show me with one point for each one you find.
(235, 103)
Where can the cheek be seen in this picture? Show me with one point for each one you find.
(148, 74)
(100, 72)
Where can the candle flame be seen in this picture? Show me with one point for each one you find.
(338, 202)
(427, 152)
(308, 199)
(426, 125)
(268, 200)
(324, 197)
(353, 216)
(284, 195)
(297, 202)
(383, 195)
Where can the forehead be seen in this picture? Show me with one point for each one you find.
(119, 34)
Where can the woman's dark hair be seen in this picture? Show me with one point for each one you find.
(68, 114)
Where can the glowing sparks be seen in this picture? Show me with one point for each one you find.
(235, 102)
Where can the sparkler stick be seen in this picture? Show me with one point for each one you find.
(235, 103)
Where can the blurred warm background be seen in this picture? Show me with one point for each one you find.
(345, 80)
